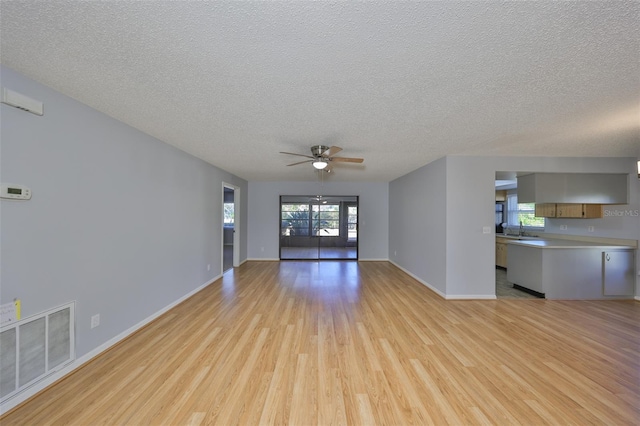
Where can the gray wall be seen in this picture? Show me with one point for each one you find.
(264, 210)
(470, 254)
(120, 222)
(417, 223)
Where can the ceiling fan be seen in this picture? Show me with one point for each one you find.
(321, 157)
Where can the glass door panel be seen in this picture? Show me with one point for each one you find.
(318, 227)
(296, 241)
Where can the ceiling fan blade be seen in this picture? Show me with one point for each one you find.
(347, 160)
(293, 153)
(332, 151)
(300, 162)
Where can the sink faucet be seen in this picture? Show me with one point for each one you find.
(521, 230)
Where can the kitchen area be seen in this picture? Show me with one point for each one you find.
(546, 241)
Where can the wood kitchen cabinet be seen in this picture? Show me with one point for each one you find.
(592, 211)
(546, 210)
(580, 211)
(501, 252)
(570, 210)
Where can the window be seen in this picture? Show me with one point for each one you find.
(326, 220)
(302, 219)
(522, 212)
(228, 213)
(294, 219)
(352, 222)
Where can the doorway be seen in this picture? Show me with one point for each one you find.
(230, 221)
(317, 227)
(507, 214)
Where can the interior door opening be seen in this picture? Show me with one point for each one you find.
(316, 227)
(228, 228)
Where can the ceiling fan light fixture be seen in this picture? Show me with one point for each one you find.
(320, 163)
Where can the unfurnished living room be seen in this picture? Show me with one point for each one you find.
(318, 213)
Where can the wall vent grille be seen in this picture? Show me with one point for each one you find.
(33, 348)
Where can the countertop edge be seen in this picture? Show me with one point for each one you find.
(562, 244)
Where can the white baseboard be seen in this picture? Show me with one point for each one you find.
(78, 362)
(263, 260)
(260, 259)
(266, 259)
(443, 295)
(432, 288)
(470, 297)
(240, 264)
(637, 298)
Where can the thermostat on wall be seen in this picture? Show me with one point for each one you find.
(14, 192)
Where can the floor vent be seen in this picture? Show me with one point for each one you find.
(33, 348)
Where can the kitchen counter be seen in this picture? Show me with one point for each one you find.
(563, 244)
(568, 269)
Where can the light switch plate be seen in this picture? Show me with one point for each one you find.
(95, 321)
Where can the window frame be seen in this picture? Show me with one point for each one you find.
(512, 199)
(305, 228)
(317, 221)
(311, 219)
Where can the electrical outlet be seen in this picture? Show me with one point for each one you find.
(395, 252)
(563, 227)
(208, 266)
(95, 320)
(261, 248)
(591, 229)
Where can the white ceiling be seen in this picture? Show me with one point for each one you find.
(400, 84)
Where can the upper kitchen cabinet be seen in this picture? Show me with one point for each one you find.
(545, 210)
(570, 211)
(573, 188)
(581, 211)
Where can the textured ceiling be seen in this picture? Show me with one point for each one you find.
(400, 84)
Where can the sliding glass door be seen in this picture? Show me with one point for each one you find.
(318, 227)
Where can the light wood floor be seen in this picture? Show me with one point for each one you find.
(307, 343)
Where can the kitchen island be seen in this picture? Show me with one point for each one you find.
(567, 269)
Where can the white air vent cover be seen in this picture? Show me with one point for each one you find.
(35, 347)
(22, 102)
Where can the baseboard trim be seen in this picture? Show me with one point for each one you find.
(443, 295)
(254, 259)
(637, 298)
(470, 297)
(35, 389)
(421, 281)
